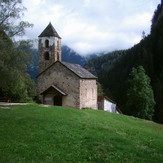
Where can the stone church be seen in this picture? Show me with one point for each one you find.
(61, 83)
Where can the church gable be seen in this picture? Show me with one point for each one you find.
(61, 77)
(56, 74)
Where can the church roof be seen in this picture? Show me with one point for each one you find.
(79, 70)
(76, 69)
(49, 31)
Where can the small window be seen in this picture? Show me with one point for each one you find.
(47, 43)
(58, 44)
(92, 92)
(46, 56)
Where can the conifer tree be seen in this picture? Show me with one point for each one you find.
(140, 99)
(100, 90)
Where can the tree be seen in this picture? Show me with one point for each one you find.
(140, 99)
(15, 83)
(143, 35)
(10, 13)
(100, 90)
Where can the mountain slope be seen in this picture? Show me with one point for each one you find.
(58, 134)
(69, 55)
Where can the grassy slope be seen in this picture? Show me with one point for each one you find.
(57, 134)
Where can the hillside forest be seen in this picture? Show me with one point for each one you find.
(114, 72)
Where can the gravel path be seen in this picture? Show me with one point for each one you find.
(5, 104)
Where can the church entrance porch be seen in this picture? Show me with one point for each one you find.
(53, 96)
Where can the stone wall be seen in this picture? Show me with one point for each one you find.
(88, 93)
(63, 78)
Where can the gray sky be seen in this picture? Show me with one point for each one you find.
(89, 26)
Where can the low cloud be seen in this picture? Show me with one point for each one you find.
(90, 26)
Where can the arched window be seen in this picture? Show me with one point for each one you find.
(57, 56)
(47, 43)
(46, 55)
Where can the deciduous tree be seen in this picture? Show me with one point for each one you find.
(11, 12)
(14, 56)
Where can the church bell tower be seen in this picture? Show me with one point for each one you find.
(49, 47)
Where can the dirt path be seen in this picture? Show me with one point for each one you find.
(8, 104)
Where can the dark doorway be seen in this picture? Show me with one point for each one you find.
(58, 100)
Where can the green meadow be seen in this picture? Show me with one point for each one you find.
(37, 134)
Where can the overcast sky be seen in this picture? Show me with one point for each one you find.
(89, 26)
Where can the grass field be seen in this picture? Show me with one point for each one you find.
(37, 134)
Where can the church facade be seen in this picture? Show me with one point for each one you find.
(62, 83)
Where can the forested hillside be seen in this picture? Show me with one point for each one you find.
(113, 69)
